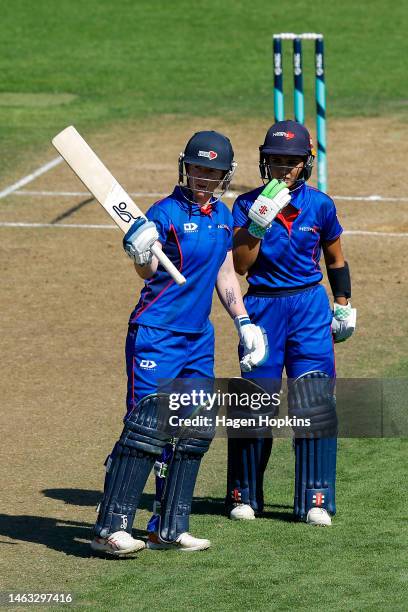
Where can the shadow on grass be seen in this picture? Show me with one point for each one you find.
(85, 497)
(75, 497)
(286, 517)
(62, 536)
(201, 505)
(68, 537)
(72, 537)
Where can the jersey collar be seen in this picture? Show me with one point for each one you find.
(297, 196)
(178, 194)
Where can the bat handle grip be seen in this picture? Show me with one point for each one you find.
(168, 265)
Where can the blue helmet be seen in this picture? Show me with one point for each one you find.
(287, 138)
(211, 150)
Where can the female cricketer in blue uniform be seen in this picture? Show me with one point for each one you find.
(280, 231)
(170, 336)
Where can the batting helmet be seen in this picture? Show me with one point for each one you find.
(287, 138)
(211, 150)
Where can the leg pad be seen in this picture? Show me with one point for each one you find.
(179, 487)
(247, 461)
(311, 396)
(315, 475)
(129, 465)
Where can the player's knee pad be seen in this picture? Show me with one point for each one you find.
(247, 461)
(311, 397)
(312, 405)
(145, 426)
(179, 487)
(129, 466)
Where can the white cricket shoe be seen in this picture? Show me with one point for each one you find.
(242, 512)
(185, 542)
(318, 516)
(118, 543)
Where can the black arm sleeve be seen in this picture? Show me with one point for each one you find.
(340, 281)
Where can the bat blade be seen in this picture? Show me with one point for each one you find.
(105, 188)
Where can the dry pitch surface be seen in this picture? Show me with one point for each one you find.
(66, 297)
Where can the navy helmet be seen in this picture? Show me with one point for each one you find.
(211, 150)
(287, 138)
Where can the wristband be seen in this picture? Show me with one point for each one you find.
(340, 281)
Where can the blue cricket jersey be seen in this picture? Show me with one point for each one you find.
(290, 251)
(197, 244)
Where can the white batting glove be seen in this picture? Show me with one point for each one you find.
(344, 321)
(254, 342)
(267, 205)
(138, 241)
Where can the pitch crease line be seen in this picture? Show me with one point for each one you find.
(30, 177)
(374, 233)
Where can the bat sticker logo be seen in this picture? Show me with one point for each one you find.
(124, 214)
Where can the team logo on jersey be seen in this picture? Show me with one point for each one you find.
(190, 227)
(208, 154)
(147, 364)
(287, 135)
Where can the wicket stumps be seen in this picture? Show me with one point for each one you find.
(298, 93)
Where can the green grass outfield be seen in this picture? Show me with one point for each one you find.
(133, 58)
(98, 62)
(274, 563)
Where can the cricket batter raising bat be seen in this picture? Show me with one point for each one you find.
(280, 231)
(170, 336)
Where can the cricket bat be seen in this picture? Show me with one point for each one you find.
(105, 188)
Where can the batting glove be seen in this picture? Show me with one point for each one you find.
(267, 205)
(254, 342)
(344, 321)
(138, 241)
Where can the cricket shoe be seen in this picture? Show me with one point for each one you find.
(318, 516)
(242, 512)
(118, 543)
(185, 542)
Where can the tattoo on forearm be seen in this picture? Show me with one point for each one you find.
(230, 297)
